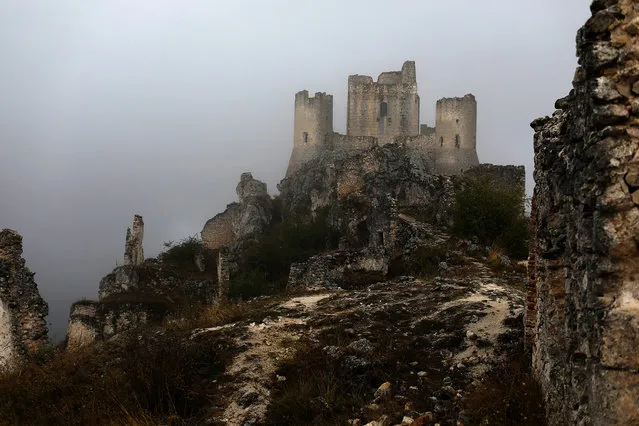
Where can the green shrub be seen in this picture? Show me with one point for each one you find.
(182, 252)
(267, 263)
(494, 214)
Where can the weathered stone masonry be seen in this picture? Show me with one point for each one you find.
(387, 111)
(583, 299)
(23, 328)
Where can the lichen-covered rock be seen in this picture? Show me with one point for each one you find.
(583, 294)
(23, 328)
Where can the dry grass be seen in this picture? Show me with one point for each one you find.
(510, 396)
(141, 379)
(494, 258)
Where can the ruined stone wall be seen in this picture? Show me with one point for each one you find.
(218, 230)
(386, 108)
(456, 134)
(313, 125)
(84, 326)
(23, 327)
(349, 145)
(585, 302)
(251, 215)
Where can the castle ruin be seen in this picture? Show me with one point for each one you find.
(387, 111)
(133, 252)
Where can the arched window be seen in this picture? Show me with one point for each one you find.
(383, 109)
(457, 141)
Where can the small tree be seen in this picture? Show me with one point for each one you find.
(494, 214)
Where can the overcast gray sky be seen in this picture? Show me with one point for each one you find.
(115, 107)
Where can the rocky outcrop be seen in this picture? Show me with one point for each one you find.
(342, 269)
(91, 320)
(23, 328)
(584, 298)
(133, 251)
(143, 291)
(371, 174)
(248, 218)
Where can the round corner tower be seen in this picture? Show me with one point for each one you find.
(312, 127)
(456, 135)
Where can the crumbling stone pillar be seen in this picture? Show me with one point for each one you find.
(585, 248)
(23, 328)
(133, 252)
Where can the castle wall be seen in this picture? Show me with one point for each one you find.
(351, 144)
(585, 285)
(456, 135)
(218, 231)
(397, 91)
(312, 127)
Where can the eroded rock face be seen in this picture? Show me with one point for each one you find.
(23, 327)
(583, 298)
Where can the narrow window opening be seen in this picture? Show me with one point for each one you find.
(457, 121)
(457, 141)
(441, 141)
(381, 238)
(383, 109)
(305, 135)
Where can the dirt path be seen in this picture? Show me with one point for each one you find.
(267, 344)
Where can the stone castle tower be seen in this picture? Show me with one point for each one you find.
(387, 111)
(456, 135)
(386, 108)
(313, 127)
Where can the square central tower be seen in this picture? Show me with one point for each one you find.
(386, 108)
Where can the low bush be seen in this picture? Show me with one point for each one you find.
(494, 214)
(179, 257)
(153, 379)
(267, 263)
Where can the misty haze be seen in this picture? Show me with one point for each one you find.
(319, 212)
(115, 108)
